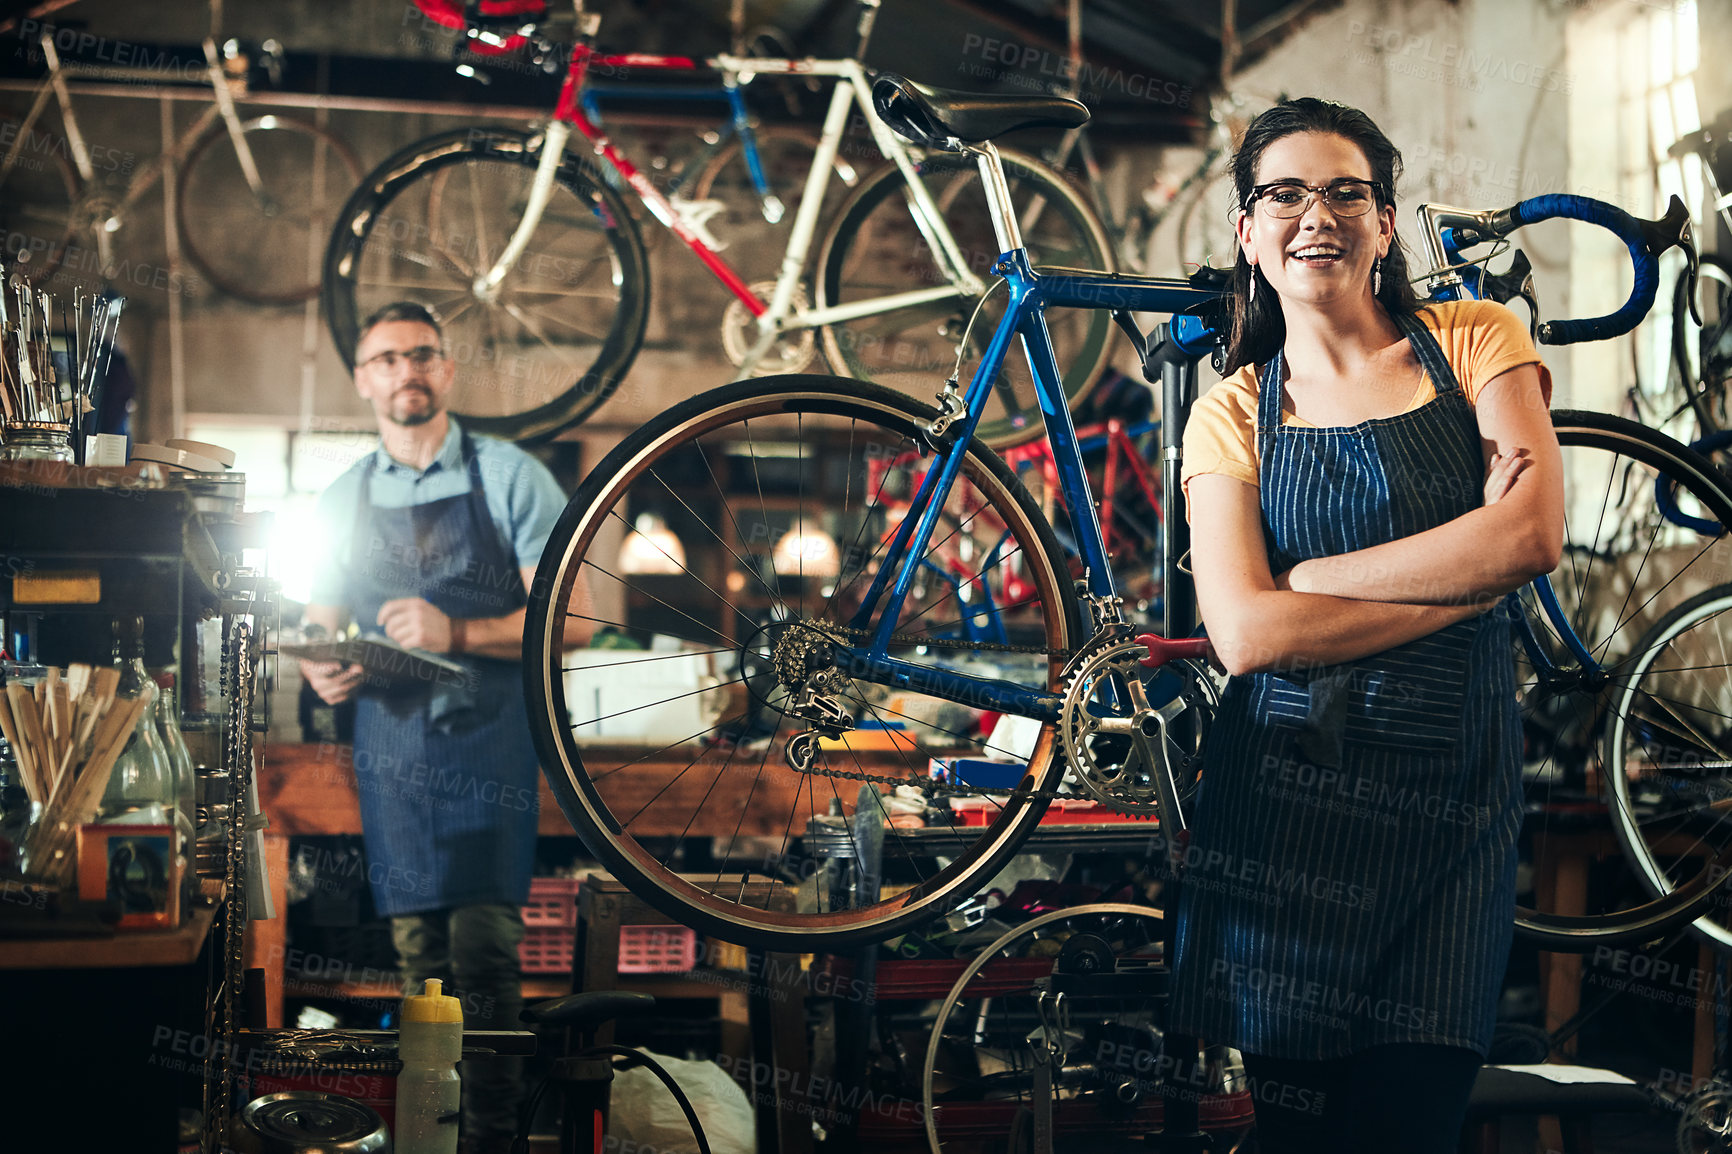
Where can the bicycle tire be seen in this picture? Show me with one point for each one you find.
(1702, 355)
(1205, 233)
(874, 249)
(242, 250)
(501, 391)
(39, 201)
(1673, 716)
(799, 419)
(1625, 564)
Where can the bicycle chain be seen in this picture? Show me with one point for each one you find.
(931, 787)
(236, 681)
(945, 642)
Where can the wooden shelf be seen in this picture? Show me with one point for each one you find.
(177, 947)
(302, 987)
(697, 984)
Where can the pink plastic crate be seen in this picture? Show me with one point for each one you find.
(547, 949)
(550, 936)
(657, 949)
(552, 902)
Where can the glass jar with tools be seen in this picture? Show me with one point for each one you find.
(35, 441)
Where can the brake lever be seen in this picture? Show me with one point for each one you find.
(1674, 228)
(1516, 281)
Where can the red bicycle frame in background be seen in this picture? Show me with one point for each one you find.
(570, 111)
(1124, 461)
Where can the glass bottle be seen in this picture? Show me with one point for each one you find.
(36, 441)
(141, 786)
(174, 746)
(185, 777)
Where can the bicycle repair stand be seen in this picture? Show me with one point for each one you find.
(1169, 354)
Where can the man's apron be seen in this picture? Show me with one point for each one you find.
(1350, 879)
(447, 773)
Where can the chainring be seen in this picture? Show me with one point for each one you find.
(1106, 765)
(791, 352)
(1706, 1127)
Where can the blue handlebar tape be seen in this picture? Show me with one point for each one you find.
(1613, 219)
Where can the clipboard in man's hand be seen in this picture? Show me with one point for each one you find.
(387, 664)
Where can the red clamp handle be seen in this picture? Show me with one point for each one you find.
(1163, 650)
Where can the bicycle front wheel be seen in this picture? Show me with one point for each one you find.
(1669, 756)
(877, 247)
(543, 349)
(1630, 557)
(264, 247)
(758, 516)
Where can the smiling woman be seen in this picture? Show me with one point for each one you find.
(1341, 483)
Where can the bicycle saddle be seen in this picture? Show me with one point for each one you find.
(932, 116)
(583, 1012)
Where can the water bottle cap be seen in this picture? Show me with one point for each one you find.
(432, 1005)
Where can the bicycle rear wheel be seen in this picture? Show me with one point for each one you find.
(1626, 564)
(552, 342)
(780, 494)
(875, 248)
(264, 250)
(1669, 755)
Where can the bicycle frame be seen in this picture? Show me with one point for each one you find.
(780, 312)
(1031, 294)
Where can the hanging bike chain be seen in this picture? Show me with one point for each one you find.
(237, 683)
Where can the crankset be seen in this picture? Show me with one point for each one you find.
(1132, 735)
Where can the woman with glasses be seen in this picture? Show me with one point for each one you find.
(1366, 484)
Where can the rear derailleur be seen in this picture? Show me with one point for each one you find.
(826, 714)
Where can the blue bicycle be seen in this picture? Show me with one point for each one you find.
(842, 739)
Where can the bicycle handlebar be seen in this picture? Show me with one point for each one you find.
(1450, 229)
(1614, 220)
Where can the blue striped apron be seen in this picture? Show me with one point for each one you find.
(1350, 879)
(447, 773)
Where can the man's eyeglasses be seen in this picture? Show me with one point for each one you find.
(388, 361)
(1286, 199)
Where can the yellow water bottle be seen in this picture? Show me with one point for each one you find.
(429, 1095)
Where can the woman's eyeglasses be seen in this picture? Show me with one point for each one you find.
(388, 361)
(1285, 199)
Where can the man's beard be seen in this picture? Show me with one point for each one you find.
(415, 418)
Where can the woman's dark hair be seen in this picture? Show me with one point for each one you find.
(1256, 328)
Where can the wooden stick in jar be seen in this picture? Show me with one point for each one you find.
(77, 803)
(29, 726)
(20, 752)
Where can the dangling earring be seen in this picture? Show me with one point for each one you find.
(1251, 296)
(1377, 277)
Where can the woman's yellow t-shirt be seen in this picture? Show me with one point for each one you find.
(1480, 339)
